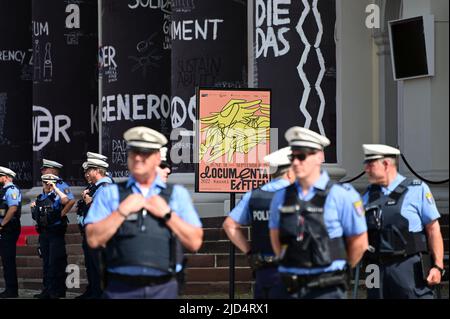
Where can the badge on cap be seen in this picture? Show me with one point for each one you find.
(359, 207)
(429, 198)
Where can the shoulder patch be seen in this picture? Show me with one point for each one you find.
(14, 195)
(347, 186)
(416, 182)
(67, 191)
(359, 208)
(429, 198)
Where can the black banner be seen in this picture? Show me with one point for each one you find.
(209, 48)
(296, 57)
(65, 86)
(135, 73)
(15, 89)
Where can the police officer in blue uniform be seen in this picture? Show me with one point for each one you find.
(95, 171)
(52, 167)
(253, 210)
(402, 219)
(164, 169)
(140, 221)
(10, 209)
(51, 225)
(317, 227)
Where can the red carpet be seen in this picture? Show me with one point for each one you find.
(24, 233)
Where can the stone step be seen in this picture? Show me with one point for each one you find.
(36, 272)
(36, 284)
(209, 234)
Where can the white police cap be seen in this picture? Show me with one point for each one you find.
(84, 165)
(163, 151)
(96, 156)
(50, 164)
(279, 158)
(142, 137)
(377, 151)
(301, 137)
(49, 178)
(96, 163)
(6, 171)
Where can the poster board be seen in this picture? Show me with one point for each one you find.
(232, 138)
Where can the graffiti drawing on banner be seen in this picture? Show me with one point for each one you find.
(119, 152)
(48, 65)
(198, 70)
(183, 5)
(275, 19)
(94, 119)
(237, 128)
(163, 5)
(134, 107)
(3, 99)
(23, 170)
(36, 62)
(108, 66)
(147, 56)
(24, 58)
(40, 28)
(187, 30)
(46, 127)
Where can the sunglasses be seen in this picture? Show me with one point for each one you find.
(301, 156)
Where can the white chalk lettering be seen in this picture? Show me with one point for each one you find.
(273, 37)
(135, 107)
(188, 30)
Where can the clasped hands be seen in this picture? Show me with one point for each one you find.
(155, 205)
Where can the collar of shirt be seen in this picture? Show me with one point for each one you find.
(7, 184)
(157, 184)
(101, 180)
(393, 185)
(321, 184)
(275, 184)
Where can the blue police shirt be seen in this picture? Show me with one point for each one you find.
(107, 201)
(57, 205)
(65, 188)
(241, 213)
(343, 216)
(418, 206)
(105, 179)
(13, 197)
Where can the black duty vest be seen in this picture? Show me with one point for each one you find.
(4, 205)
(44, 213)
(144, 240)
(388, 230)
(303, 231)
(82, 207)
(259, 206)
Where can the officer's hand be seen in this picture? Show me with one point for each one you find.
(132, 204)
(87, 199)
(33, 204)
(157, 206)
(84, 193)
(434, 277)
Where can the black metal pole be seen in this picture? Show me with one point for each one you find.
(232, 251)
